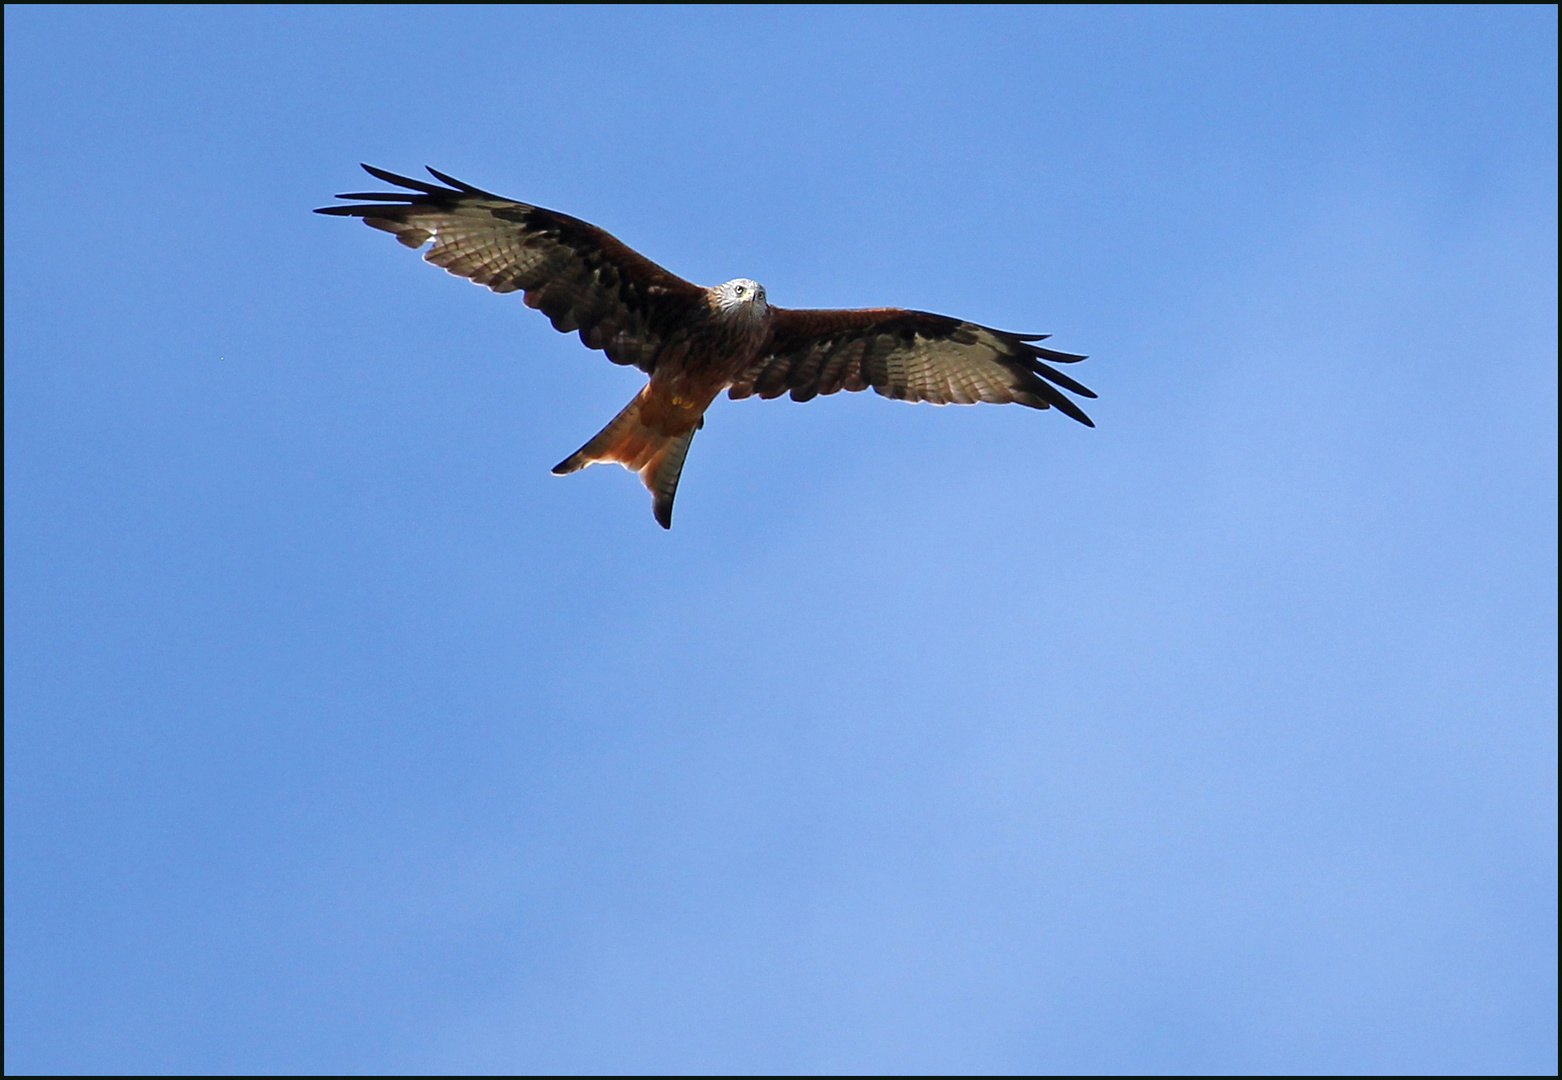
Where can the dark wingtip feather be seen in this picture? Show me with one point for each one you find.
(459, 185)
(1054, 397)
(1061, 379)
(1055, 356)
(1073, 412)
(1070, 410)
(381, 196)
(403, 181)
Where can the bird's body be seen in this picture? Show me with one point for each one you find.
(695, 342)
(652, 433)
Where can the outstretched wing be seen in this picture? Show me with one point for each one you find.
(910, 355)
(579, 276)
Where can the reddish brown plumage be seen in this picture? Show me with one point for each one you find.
(695, 342)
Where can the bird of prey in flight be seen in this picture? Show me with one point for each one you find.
(693, 341)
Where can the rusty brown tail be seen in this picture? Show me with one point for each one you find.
(656, 455)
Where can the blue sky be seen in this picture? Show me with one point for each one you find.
(342, 737)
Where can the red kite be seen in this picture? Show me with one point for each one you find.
(694, 342)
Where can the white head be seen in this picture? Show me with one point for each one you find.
(741, 297)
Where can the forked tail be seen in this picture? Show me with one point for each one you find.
(643, 448)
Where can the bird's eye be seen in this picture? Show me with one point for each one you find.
(740, 290)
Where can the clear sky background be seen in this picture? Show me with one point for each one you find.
(341, 736)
